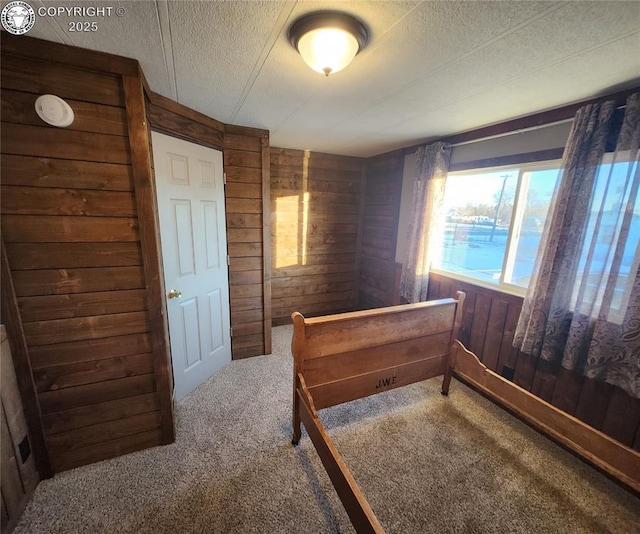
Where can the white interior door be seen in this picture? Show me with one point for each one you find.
(190, 191)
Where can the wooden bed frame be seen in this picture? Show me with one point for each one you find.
(343, 357)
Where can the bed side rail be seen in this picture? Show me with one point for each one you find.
(613, 457)
(354, 502)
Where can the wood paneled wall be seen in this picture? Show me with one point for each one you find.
(315, 219)
(77, 221)
(246, 164)
(488, 326)
(379, 230)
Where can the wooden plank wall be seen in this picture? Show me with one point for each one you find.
(315, 220)
(73, 242)
(381, 208)
(246, 161)
(488, 326)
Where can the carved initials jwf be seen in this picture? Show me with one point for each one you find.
(385, 382)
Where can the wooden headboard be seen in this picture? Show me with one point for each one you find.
(352, 355)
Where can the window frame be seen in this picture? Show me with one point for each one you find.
(515, 225)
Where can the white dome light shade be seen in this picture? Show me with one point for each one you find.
(328, 50)
(53, 110)
(328, 40)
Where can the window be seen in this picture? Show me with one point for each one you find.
(493, 224)
(611, 252)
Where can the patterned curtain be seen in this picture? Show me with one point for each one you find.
(583, 305)
(425, 227)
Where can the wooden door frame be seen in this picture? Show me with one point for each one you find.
(149, 227)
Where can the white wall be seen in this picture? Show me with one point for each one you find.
(554, 136)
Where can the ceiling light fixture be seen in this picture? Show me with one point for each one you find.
(328, 40)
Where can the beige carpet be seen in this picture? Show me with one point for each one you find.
(426, 463)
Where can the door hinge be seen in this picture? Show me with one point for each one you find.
(230, 331)
(224, 178)
(228, 260)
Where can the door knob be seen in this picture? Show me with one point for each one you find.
(174, 294)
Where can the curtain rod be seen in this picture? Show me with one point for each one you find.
(513, 132)
(520, 130)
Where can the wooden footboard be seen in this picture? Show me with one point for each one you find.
(613, 457)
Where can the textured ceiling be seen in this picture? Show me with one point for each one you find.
(432, 68)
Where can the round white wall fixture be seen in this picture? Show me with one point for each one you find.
(53, 110)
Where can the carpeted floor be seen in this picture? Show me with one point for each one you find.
(426, 463)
